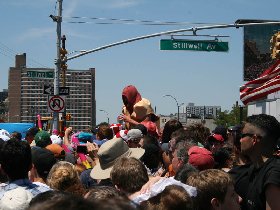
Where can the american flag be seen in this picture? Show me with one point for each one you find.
(268, 82)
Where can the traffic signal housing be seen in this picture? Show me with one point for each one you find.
(63, 53)
(68, 117)
(64, 66)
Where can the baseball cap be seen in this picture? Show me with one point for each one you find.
(42, 139)
(134, 134)
(43, 159)
(216, 137)
(4, 135)
(56, 139)
(84, 137)
(151, 127)
(57, 150)
(201, 158)
(16, 199)
(222, 130)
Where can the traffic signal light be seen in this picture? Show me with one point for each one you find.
(63, 53)
(68, 117)
(64, 66)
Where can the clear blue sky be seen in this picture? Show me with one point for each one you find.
(199, 77)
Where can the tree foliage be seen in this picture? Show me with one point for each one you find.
(233, 117)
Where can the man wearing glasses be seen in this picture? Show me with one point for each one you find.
(259, 183)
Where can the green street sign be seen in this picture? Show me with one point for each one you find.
(194, 45)
(41, 74)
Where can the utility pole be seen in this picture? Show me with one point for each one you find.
(58, 20)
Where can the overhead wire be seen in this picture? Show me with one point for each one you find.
(10, 53)
(127, 21)
(6, 51)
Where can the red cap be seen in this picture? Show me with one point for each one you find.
(151, 127)
(217, 137)
(201, 158)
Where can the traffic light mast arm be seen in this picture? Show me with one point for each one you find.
(193, 29)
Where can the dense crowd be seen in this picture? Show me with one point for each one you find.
(136, 165)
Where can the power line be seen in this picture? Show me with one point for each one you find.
(8, 56)
(6, 48)
(128, 21)
(8, 52)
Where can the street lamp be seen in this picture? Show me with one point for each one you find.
(178, 106)
(102, 110)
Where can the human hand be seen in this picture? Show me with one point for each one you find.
(125, 118)
(92, 149)
(160, 172)
(68, 131)
(147, 187)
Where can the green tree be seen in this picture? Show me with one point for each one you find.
(233, 117)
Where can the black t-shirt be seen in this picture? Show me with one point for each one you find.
(241, 182)
(251, 182)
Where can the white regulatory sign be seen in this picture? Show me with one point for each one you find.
(56, 103)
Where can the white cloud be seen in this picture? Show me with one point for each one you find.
(108, 4)
(119, 4)
(27, 3)
(36, 33)
(69, 8)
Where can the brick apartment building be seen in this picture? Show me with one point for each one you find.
(27, 99)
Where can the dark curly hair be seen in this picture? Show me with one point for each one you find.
(15, 159)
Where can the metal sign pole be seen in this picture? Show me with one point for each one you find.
(58, 20)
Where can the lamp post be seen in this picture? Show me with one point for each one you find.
(102, 110)
(178, 106)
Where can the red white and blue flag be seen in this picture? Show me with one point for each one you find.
(268, 82)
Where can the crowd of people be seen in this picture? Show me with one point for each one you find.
(139, 166)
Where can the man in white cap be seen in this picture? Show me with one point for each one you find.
(134, 138)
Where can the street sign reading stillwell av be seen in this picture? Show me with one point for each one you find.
(41, 74)
(194, 45)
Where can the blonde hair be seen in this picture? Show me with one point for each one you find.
(62, 176)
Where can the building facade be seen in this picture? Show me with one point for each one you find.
(27, 96)
(3, 95)
(202, 111)
(194, 114)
